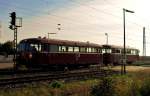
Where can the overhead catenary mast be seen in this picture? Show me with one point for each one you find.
(144, 42)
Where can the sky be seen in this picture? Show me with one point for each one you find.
(80, 20)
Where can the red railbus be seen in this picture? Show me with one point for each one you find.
(44, 53)
(114, 54)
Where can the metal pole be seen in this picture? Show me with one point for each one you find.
(123, 59)
(124, 47)
(144, 42)
(106, 38)
(15, 46)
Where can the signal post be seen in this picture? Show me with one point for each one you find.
(14, 27)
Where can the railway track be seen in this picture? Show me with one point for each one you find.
(48, 76)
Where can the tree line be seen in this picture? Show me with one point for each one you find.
(6, 48)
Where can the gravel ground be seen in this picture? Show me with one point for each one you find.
(6, 62)
(4, 59)
(132, 68)
(6, 65)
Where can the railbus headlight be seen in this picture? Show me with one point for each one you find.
(30, 55)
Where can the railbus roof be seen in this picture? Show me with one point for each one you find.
(118, 47)
(60, 42)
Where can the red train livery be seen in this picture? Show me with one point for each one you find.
(42, 52)
(114, 54)
(39, 52)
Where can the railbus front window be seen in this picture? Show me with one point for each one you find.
(29, 47)
(21, 47)
(33, 47)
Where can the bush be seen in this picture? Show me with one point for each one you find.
(134, 88)
(56, 84)
(145, 88)
(104, 88)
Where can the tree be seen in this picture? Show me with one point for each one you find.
(7, 47)
(104, 88)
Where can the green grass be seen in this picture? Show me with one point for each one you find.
(132, 84)
(76, 88)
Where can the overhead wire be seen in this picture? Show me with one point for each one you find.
(67, 18)
(24, 10)
(105, 13)
(142, 19)
(99, 10)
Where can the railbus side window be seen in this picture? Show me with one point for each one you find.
(108, 50)
(103, 51)
(83, 49)
(76, 49)
(129, 51)
(99, 50)
(39, 47)
(92, 50)
(134, 52)
(89, 50)
(54, 48)
(137, 52)
(64, 48)
(118, 51)
(60, 48)
(45, 48)
(113, 50)
(70, 49)
(122, 51)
